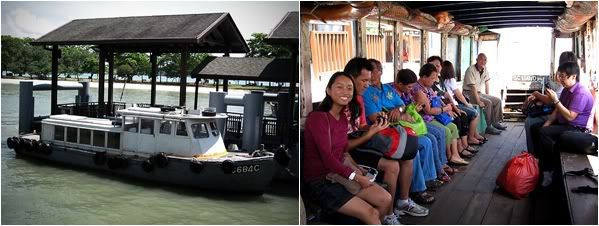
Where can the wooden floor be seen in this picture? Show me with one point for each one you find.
(472, 197)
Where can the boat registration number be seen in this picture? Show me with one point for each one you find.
(247, 169)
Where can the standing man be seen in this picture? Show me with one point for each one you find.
(476, 76)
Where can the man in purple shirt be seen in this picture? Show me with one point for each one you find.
(572, 112)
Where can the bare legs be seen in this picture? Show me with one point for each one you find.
(360, 205)
(391, 169)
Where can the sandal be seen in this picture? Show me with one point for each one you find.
(450, 171)
(422, 197)
(479, 143)
(444, 177)
(473, 151)
(434, 184)
(466, 155)
(460, 162)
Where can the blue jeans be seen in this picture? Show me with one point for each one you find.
(437, 135)
(471, 112)
(418, 184)
(427, 158)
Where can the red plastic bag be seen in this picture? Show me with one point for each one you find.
(520, 175)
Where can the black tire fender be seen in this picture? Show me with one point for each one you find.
(10, 142)
(147, 166)
(227, 166)
(161, 160)
(196, 166)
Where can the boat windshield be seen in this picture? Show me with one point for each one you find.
(199, 130)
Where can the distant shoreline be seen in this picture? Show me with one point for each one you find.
(138, 86)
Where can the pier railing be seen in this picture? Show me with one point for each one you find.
(91, 109)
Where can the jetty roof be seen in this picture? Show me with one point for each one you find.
(247, 68)
(208, 33)
(286, 31)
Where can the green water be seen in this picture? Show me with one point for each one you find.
(35, 192)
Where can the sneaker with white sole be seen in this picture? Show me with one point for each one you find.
(391, 219)
(411, 208)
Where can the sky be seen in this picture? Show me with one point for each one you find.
(34, 19)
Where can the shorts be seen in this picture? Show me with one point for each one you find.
(365, 158)
(331, 196)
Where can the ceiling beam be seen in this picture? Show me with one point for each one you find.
(478, 14)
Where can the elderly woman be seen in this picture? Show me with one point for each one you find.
(424, 94)
(325, 150)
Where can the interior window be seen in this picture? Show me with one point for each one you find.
(147, 126)
(114, 140)
(131, 124)
(214, 128)
(199, 130)
(85, 136)
(59, 133)
(166, 127)
(181, 129)
(71, 134)
(99, 138)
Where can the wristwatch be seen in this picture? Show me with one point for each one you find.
(402, 109)
(352, 175)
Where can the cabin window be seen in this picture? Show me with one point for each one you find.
(166, 127)
(199, 130)
(434, 44)
(411, 48)
(114, 140)
(466, 60)
(147, 126)
(181, 129)
(85, 136)
(71, 134)
(380, 46)
(59, 133)
(131, 124)
(214, 128)
(452, 54)
(99, 138)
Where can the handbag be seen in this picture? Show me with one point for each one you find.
(578, 142)
(444, 118)
(535, 110)
(418, 125)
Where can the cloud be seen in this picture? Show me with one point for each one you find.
(23, 23)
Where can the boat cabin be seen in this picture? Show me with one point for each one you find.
(140, 130)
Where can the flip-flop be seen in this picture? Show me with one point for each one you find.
(444, 177)
(473, 151)
(477, 144)
(465, 155)
(450, 170)
(460, 163)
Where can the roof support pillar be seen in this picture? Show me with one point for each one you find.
(306, 82)
(292, 86)
(424, 47)
(183, 76)
(444, 38)
(110, 83)
(101, 69)
(54, 91)
(153, 61)
(195, 99)
(226, 81)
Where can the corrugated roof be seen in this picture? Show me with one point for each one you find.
(211, 31)
(250, 68)
(287, 30)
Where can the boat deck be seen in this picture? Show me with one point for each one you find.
(473, 198)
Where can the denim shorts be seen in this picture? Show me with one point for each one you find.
(471, 112)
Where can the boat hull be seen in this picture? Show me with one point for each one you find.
(250, 175)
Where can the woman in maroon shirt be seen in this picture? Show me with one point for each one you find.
(325, 150)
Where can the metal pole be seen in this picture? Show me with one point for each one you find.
(153, 60)
(54, 91)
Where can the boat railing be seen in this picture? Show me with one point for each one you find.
(271, 134)
(91, 109)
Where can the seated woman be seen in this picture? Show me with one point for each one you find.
(572, 112)
(424, 94)
(406, 80)
(325, 150)
(567, 56)
(449, 82)
(378, 97)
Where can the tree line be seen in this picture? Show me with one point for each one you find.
(19, 57)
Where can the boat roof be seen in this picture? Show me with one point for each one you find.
(82, 122)
(158, 113)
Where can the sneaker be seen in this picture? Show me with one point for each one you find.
(391, 219)
(547, 178)
(499, 126)
(492, 130)
(411, 208)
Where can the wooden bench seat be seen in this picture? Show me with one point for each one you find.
(582, 207)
